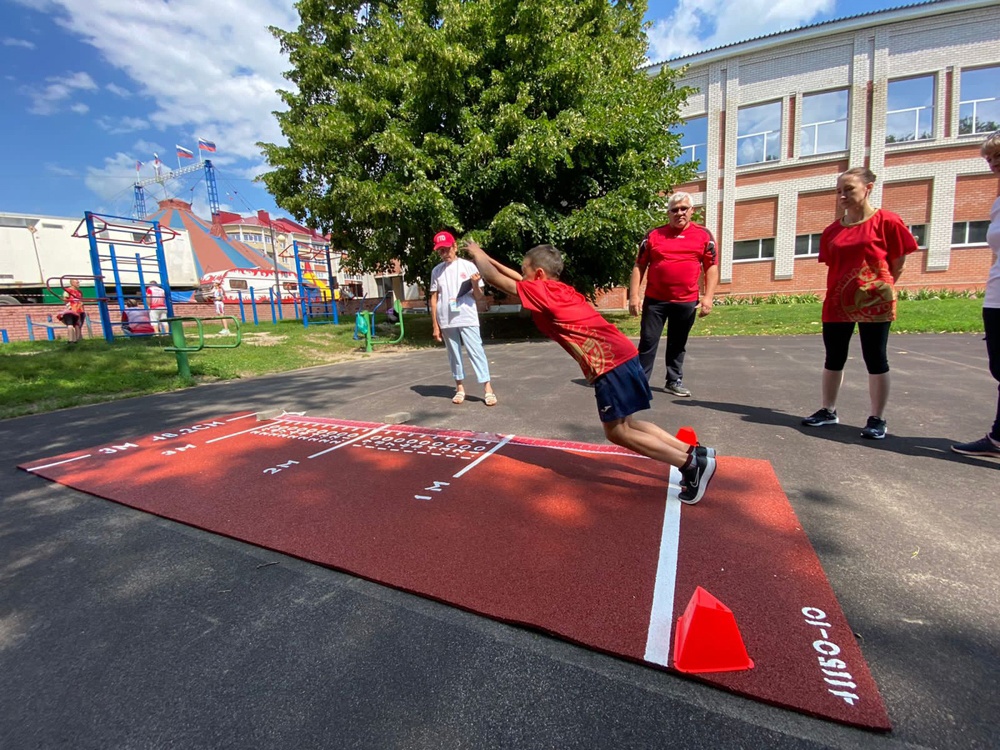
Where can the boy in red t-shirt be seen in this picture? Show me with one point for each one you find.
(609, 361)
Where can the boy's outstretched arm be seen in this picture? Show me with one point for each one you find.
(503, 278)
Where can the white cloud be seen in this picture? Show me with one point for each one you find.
(118, 90)
(49, 100)
(80, 108)
(118, 126)
(10, 42)
(112, 182)
(698, 25)
(208, 66)
(60, 171)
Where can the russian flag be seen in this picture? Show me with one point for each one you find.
(206, 145)
(138, 165)
(183, 153)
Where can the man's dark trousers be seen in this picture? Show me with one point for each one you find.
(679, 318)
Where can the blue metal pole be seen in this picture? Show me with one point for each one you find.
(253, 303)
(116, 276)
(95, 264)
(161, 264)
(31, 328)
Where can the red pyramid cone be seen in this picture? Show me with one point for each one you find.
(686, 435)
(707, 638)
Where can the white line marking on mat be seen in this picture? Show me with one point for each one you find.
(494, 449)
(59, 463)
(661, 616)
(352, 440)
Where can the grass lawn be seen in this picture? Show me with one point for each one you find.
(46, 375)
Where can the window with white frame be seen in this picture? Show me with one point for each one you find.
(919, 232)
(694, 141)
(807, 244)
(979, 108)
(753, 249)
(824, 123)
(969, 232)
(758, 134)
(911, 110)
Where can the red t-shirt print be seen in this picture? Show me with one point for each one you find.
(859, 285)
(565, 316)
(673, 260)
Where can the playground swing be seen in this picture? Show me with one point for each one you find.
(364, 323)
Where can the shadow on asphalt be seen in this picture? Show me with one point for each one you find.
(845, 434)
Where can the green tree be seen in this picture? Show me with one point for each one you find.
(515, 122)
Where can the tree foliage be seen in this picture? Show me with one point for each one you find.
(516, 122)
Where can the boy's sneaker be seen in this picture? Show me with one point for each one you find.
(822, 417)
(695, 480)
(704, 450)
(982, 447)
(875, 429)
(677, 388)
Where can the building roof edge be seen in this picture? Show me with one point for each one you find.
(821, 29)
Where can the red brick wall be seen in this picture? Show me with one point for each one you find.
(929, 155)
(974, 195)
(911, 200)
(13, 318)
(756, 218)
(815, 212)
(769, 176)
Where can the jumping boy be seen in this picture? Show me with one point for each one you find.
(608, 359)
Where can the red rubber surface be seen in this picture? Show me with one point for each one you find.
(561, 537)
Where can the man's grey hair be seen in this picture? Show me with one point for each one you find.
(678, 197)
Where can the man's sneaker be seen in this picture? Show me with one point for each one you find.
(982, 447)
(695, 480)
(677, 388)
(822, 417)
(875, 429)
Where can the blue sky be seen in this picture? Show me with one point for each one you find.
(91, 86)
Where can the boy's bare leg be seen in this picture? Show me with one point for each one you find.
(624, 432)
(659, 432)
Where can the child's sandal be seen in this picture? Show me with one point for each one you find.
(491, 399)
(458, 398)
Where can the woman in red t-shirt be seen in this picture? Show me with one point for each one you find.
(73, 314)
(864, 252)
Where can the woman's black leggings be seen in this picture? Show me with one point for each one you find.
(991, 322)
(874, 340)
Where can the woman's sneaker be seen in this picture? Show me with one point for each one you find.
(982, 447)
(822, 417)
(695, 480)
(875, 429)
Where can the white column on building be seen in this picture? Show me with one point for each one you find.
(880, 108)
(730, 81)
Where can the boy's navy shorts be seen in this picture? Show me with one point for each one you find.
(622, 391)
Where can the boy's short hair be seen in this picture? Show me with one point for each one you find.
(546, 258)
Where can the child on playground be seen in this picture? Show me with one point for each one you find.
(609, 361)
(219, 297)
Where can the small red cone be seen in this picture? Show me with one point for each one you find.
(707, 638)
(686, 435)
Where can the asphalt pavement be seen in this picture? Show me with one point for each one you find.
(119, 629)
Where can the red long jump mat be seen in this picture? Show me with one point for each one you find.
(586, 542)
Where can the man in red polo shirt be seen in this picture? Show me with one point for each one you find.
(672, 258)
